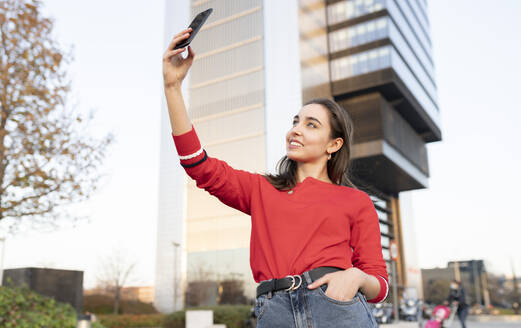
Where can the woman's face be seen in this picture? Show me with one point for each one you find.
(311, 129)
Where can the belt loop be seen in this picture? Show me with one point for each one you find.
(307, 277)
(269, 295)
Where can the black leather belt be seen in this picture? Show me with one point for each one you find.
(292, 282)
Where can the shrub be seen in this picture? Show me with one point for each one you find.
(98, 304)
(104, 304)
(175, 320)
(233, 316)
(131, 320)
(137, 307)
(96, 325)
(23, 308)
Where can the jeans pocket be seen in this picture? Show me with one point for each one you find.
(260, 305)
(369, 310)
(322, 292)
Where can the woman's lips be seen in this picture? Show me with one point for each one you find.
(294, 146)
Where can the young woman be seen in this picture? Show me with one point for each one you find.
(315, 240)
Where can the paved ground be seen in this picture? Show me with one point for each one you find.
(489, 324)
(469, 324)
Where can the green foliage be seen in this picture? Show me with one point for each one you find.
(98, 304)
(23, 308)
(233, 316)
(96, 324)
(137, 307)
(175, 320)
(104, 304)
(505, 311)
(131, 320)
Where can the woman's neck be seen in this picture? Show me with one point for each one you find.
(314, 171)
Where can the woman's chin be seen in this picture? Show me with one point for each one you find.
(290, 156)
(293, 157)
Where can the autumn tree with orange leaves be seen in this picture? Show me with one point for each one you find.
(47, 159)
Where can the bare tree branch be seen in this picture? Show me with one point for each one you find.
(115, 272)
(47, 160)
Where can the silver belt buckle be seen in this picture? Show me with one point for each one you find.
(293, 287)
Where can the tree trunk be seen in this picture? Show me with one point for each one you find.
(116, 300)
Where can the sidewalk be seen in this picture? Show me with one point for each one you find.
(484, 319)
(494, 318)
(400, 324)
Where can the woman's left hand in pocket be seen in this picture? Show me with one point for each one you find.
(341, 285)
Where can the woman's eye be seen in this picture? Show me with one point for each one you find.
(312, 124)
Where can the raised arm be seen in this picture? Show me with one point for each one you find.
(232, 187)
(175, 68)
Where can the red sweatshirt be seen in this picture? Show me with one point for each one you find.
(315, 224)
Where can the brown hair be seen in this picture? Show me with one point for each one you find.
(337, 166)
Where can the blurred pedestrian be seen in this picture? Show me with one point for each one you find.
(457, 295)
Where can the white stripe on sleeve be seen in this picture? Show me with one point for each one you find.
(386, 289)
(197, 153)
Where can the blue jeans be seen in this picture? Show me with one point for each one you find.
(462, 315)
(311, 308)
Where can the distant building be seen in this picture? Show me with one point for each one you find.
(64, 286)
(143, 294)
(471, 274)
(509, 283)
(256, 62)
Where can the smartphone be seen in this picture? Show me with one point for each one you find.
(196, 26)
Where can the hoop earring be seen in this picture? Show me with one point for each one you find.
(328, 156)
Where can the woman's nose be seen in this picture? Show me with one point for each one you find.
(295, 130)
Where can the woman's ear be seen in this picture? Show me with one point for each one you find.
(335, 145)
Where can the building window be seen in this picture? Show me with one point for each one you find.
(382, 57)
(378, 29)
(358, 34)
(384, 228)
(386, 254)
(361, 63)
(345, 10)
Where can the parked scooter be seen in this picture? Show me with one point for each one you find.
(383, 312)
(409, 309)
(427, 310)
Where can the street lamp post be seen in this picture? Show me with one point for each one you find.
(393, 247)
(2, 261)
(176, 245)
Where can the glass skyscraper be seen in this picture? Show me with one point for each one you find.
(256, 62)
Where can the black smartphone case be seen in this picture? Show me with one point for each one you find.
(196, 24)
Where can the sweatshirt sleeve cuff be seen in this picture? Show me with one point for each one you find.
(384, 290)
(189, 148)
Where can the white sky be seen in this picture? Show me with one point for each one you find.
(469, 212)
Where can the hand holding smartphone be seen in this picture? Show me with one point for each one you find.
(196, 25)
(175, 66)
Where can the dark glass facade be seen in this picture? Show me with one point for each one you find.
(381, 70)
